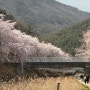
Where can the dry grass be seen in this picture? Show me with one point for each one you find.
(43, 84)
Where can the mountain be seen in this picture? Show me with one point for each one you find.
(72, 38)
(44, 15)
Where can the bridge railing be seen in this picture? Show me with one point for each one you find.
(50, 59)
(57, 59)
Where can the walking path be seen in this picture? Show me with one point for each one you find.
(84, 83)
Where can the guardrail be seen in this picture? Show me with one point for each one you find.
(57, 59)
(50, 59)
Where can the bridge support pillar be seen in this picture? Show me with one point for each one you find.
(20, 69)
(87, 69)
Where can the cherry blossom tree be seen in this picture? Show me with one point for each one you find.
(21, 46)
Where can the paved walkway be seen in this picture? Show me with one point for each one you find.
(84, 83)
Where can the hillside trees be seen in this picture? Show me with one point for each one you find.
(68, 39)
(45, 15)
(27, 29)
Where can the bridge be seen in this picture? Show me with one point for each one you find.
(51, 62)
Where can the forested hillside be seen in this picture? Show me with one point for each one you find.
(27, 29)
(68, 39)
(44, 15)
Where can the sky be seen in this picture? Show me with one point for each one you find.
(83, 5)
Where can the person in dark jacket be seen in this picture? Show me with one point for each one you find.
(86, 79)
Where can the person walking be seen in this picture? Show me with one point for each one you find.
(85, 79)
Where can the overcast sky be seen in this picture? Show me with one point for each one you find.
(81, 4)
